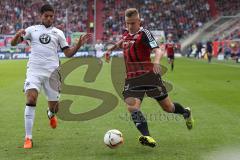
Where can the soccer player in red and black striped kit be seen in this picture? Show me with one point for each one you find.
(142, 76)
(170, 46)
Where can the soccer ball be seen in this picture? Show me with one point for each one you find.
(113, 138)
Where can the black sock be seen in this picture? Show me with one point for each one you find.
(140, 122)
(172, 66)
(179, 109)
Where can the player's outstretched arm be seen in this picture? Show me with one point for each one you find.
(18, 37)
(69, 52)
(109, 50)
(159, 52)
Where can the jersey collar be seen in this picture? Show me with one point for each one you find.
(141, 28)
(47, 27)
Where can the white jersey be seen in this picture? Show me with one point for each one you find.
(99, 47)
(44, 41)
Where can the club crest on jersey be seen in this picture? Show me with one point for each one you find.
(135, 36)
(128, 44)
(54, 32)
(44, 38)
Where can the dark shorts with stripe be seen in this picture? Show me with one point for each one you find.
(149, 83)
(170, 56)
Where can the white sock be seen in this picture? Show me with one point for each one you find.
(50, 114)
(29, 119)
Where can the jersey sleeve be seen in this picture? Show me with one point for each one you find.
(28, 36)
(62, 41)
(148, 39)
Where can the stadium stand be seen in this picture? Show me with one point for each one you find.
(15, 13)
(228, 7)
(179, 17)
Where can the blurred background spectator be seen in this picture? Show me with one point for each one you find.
(180, 18)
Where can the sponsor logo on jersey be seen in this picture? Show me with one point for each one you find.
(54, 32)
(44, 38)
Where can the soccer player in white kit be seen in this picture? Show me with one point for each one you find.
(43, 61)
(99, 49)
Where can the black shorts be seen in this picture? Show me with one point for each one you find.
(170, 56)
(150, 84)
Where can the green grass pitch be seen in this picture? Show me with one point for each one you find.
(211, 90)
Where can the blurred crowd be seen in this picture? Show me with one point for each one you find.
(230, 33)
(228, 7)
(227, 49)
(15, 13)
(178, 17)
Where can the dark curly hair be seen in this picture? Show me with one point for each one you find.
(45, 8)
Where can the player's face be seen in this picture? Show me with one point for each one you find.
(133, 24)
(47, 18)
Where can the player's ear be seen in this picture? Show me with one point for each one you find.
(41, 16)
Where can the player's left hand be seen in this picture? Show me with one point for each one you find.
(156, 68)
(85, 38)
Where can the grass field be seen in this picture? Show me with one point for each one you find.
(212, 91)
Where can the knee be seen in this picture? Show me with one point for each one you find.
(130, 101)
(31, 96)
(132, 108)
(31, 101)
(133, 104)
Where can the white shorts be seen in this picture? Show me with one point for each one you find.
(99, 54)
(51, 85)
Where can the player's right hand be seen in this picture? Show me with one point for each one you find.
(21, 32)
(107, 56)
(156, 68)
(85, 38)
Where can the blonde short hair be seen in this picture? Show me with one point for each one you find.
(131, 12)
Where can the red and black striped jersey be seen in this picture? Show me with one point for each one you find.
(169, 46)
(137, 49)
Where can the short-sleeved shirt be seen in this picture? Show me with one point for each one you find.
(169, 46)
(44, 43)
(137, 50)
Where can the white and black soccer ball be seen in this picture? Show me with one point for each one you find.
(113, 138)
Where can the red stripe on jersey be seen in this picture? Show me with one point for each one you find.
(136, 54)
(170, 48)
